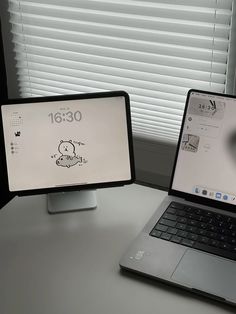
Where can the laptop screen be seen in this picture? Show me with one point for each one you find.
(206, 161)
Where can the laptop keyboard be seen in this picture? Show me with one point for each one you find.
(199, 229)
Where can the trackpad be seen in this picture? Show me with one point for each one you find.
(206, 272)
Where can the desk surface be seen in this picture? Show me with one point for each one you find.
(68, 263)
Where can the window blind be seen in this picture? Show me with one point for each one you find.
(155, 50)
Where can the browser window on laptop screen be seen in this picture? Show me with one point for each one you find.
(206, 162)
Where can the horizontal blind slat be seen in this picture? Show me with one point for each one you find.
(221, 4)
(128, 10)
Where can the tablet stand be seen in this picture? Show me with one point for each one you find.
(63, 202)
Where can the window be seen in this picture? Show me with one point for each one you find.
(155, 50)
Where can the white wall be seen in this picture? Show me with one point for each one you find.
(154, 161)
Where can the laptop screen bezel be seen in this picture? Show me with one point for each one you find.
(187, 196)
(81, 96)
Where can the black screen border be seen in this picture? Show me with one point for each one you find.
(81, 96)
(187, 196)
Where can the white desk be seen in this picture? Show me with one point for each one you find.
(68, 263)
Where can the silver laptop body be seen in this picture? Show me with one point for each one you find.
(204, 177)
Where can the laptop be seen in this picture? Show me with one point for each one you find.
(190, 241)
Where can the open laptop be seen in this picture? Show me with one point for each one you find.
(191, 239)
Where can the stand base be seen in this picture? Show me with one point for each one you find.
(71, 201)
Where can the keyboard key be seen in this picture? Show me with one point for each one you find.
(175, 239)
(191, 229)
(190, 216)
(192, 236)
(161, 228)
(189, 209)
(206, 219)
(156, 233)
(221, 224)
(209, 214)
(232, 241)
(223, 231)
(229, 219)
(170, 216)
(213, 242)
(222, 238)
(232, 227)
(232, 234)
(187, 242)
(171, 210)
(203, 239)
(219, 217)
(225, 246)
(195, 217)
(181, 226)
(212, 228)
(203, 225)
(193, 223)
(182, 234)
(182, 220)
(177, 205)
(166, 236)
(172, 230)
(168, 223)
(202, 232)
(181, 213)
(198, 211)
(211, 235)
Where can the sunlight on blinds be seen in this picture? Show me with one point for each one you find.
(154, 50)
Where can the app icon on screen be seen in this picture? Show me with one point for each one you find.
(190, 143)
(17, 133)
(218, 195)
(225, 197)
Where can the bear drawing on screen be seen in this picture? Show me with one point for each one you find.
(67, 148)
(68, 157)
